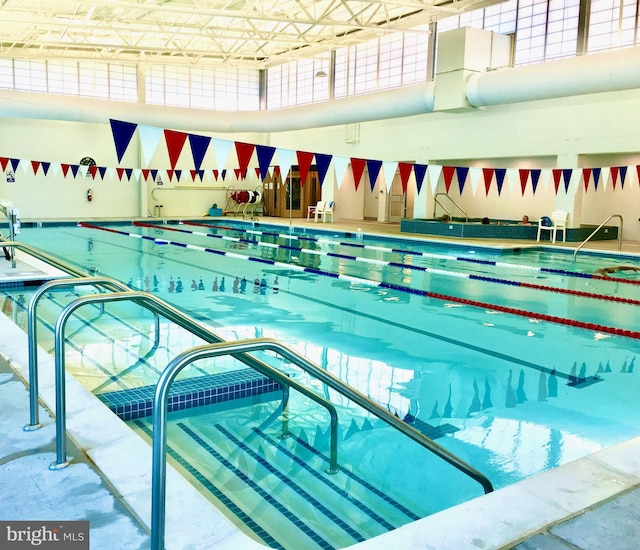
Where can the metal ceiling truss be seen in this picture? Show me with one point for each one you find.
(249, 33)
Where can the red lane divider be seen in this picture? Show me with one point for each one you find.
(582, 293)
(541, 316)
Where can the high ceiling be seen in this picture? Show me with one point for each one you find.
(248, 33)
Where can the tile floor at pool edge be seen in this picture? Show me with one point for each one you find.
(600, 493)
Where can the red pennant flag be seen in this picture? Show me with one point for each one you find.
(448, 172)
(524, 176)
(65, 169)
(170, 175)
(488, 176)
(276, 170)
(357, 167)
(93, 170)
(557, 174)
(586, 174)
(304, 163)
(216, 173)
(145, 173)
(3, 163)
(244, 152)
(257, 169)
(614, 175)
(175, 143)
(405, 172)
(194, 174)
(35, 164)
(236, 171)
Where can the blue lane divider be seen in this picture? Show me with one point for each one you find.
(450, 257)
(294, 267)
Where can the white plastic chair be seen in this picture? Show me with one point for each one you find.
(324, 211)
(558, 223)
(314, 209)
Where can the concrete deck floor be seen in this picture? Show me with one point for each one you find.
(590, 504)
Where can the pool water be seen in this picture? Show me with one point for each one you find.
(483, 349)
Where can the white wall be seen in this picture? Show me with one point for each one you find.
(586, 130)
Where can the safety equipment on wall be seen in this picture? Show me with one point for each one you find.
(89, 195)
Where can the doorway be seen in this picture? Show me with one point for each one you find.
(289, 198)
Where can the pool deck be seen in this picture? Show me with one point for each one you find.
(589, 504)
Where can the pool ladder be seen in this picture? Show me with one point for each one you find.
(216, 346)
(437, 203)
(575, 253)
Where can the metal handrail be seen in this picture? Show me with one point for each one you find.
(575, 253)
(54, 262)
(107, 282)
(436, 202)
(159, 461)
(158, 306)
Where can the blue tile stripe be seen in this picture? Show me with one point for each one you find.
(326, 480)
(411, 515)
(289, 482)
(134, 403)
(293, 518)
(202, 478)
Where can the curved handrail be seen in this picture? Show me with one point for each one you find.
(107, 282)
(575, 253)
(436, 202)
(159, 461)
(159, 307)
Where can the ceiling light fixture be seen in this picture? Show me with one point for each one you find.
(321, 74)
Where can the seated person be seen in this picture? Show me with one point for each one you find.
(445, 218)
(525, 220)
(485, 221)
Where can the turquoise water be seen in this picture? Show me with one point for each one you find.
(511, 394)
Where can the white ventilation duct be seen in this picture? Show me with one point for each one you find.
(602, 72)
(407, 101)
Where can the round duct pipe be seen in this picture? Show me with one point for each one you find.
(602, 72)
(401, 102)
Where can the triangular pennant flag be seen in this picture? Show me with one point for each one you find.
(434, 171)
(149, 139)
(265, 156)
(154, 175)
(389, 169)
(223, 174)
(373, 168)
(179, 173)
(111, 172)
(285, 160)
(194, 174)
(535, 178)
(488, 176)
(357, 167)
(500, 174)
(596, 177)
(15, 163)
(244, 152)
(102, 170)
(419, 170)
(623, 175)
(257, 168)
(215, 174)
(461, 174)
(614, 175)
(145, 173)
(557, 173)
(3, 163)
(175, 142)
(340, 165)
(222, 150)
(322, 163)
(122, 134)
(566, 175)
(524, 176)
(170, 174)
(65, 169)
(93, 170)
(474, 176)
(74, 170)
(120, 172)
(405, 172)
(128, 172)
(448, 172)
(304, 163)
(199, 146)
(586, 174)
(35, 164)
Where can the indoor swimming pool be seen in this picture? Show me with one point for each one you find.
(516, 360)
